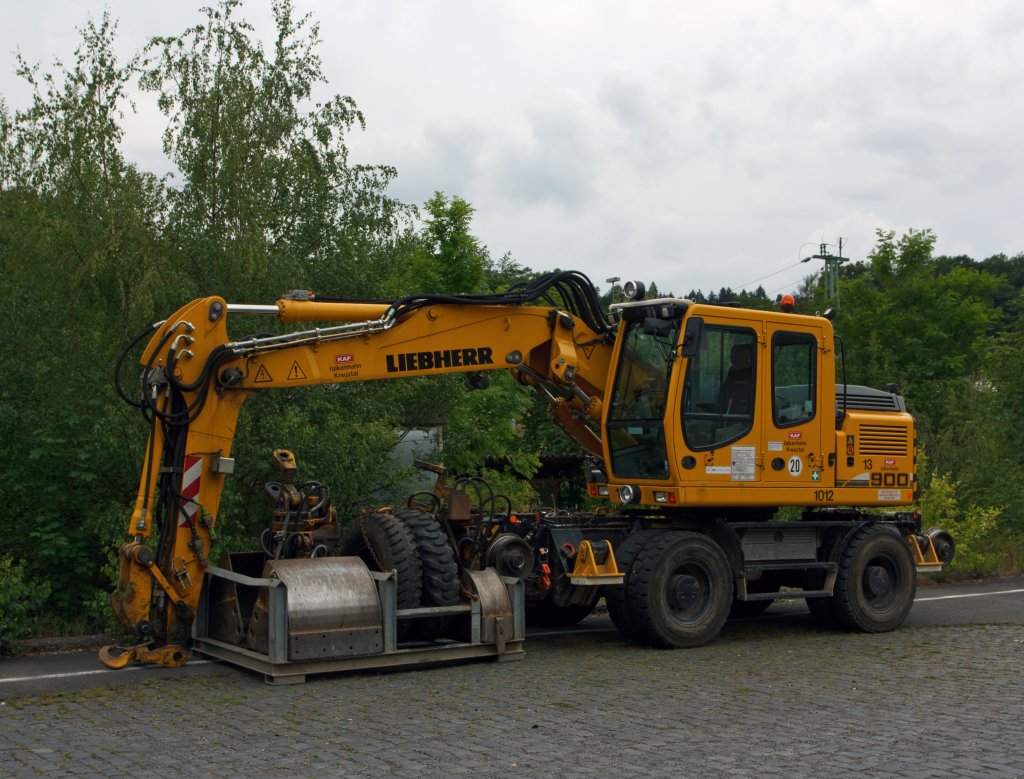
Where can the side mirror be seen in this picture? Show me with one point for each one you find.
(691, 337)
(657, 327)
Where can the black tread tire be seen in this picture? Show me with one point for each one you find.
(440, 574)
(652, 580)
(393, 545)
(876, 582)
(437, 559)
(615, 594)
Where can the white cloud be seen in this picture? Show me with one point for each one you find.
(692, 145)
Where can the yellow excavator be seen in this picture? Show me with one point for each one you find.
(699, 422)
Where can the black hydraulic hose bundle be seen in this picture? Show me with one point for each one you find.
(569, 289)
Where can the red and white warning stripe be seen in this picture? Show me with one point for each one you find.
(190, 489)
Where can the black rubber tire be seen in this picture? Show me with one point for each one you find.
(680, 590)
(437, 559)
(615, 594)
(876, 582)
(440, 574)
(393, 546)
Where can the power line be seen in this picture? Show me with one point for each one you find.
(790, 285)
(775, 273)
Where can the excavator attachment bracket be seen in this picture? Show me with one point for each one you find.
(118, 657)
(595, 566)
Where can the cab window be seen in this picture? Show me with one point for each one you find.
(794, 378)
(719, 394)
(636, 427)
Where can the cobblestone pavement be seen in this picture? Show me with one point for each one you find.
(766, 700)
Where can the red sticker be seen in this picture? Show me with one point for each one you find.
(795, 436)
(341, 359)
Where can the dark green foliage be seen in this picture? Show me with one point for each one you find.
(19, 600)
(264, 200)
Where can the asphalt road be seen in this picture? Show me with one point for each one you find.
(999, 601)
(774, 696)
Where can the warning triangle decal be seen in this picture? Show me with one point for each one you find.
(296, 374)
(263, 375)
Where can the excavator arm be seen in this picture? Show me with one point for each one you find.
(196, 378)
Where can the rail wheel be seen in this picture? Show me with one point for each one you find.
(385, 543)
(679, 591)
(615, 595)
(876, 582)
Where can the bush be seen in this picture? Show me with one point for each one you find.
(972, 527)
(18, 600)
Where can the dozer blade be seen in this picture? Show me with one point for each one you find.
(118, 657)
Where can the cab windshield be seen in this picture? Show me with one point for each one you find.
(635, 426)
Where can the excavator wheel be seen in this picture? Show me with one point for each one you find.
(440, 571)
(615, 594)
(384, 542)
(679, 590)
(876, 582)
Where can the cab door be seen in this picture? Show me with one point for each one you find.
(721, 396)
(793, 443)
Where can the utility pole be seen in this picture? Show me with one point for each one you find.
(832, 262)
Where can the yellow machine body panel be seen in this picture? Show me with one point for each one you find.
(740, 408)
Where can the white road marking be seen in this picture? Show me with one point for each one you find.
(538, 635)
(970, 595)
(71, 674)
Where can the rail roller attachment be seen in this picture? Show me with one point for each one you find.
(333, 609)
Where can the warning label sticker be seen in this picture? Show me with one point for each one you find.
(744, 462)
(263, 375)
(296, 374)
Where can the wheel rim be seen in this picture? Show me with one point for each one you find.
(881, 583)
(689, 593)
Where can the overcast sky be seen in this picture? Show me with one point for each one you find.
(697, 145)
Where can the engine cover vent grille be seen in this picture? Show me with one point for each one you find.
(884, 439)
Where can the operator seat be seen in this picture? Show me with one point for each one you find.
(736, 395)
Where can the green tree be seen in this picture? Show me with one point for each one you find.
(906, 322)
(82, 263)
(268, 199)
(444, 256)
